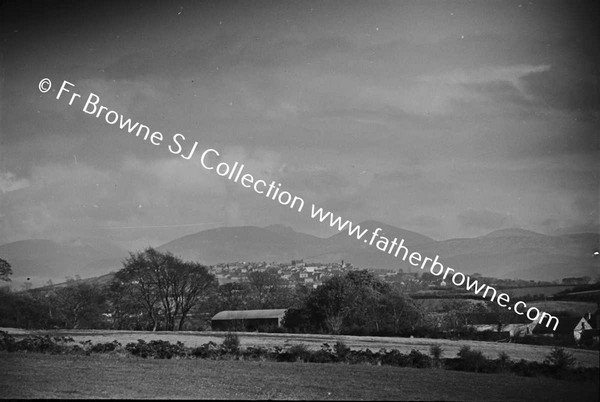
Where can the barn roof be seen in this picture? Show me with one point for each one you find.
(249, 314)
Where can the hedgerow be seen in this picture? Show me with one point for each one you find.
(157, 349)
(559, 363)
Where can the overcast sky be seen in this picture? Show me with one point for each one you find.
(451, 119)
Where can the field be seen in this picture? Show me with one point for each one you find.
(115, 375)
(24, 375)
(586, 358)
(567, 307)
(575, 308)
(536, 290)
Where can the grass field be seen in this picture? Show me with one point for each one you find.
(570, 307)
(552, 306)
(536, 290)
(586, 358)
(32, 375)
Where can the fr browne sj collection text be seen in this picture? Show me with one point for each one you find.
(177, 145)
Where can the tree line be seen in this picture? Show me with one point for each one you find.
(158, 291)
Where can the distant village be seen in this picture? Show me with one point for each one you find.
(313, 274)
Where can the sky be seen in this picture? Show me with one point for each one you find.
(448, 118)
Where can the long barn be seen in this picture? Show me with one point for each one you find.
(247, 320)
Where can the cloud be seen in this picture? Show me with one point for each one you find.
(443, 91)
(9, 182)
(483, 219)
(512, 74)
(569, 87)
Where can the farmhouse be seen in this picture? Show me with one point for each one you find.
(592, 336)
(513, 325)
(247, 320)
(569, 328)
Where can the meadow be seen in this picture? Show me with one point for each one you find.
(33, 375)
(123, 375)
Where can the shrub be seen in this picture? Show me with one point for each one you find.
(393, 358)
(473, 360)
(63, 339)
(322, 356)
(41, 344)
(209, 350)
(7, 341)
(418, 359)
(105, 347)
(560, 359)
(156, 349)
(341, 350)
(298, 353)
(231, 343)
(255, 353)
(362, 357)
(325, 355)
(436, 352)
(503, 362)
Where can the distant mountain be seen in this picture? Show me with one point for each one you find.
(280, 229)
(245, 243)
(516, 253)
(513, 232)
(411, 238)
(36, 261)
(96, 281)
(341, 246)
(507, 253)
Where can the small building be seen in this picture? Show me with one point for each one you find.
(512, 324)
(248, 320)
(570, 328)
(591, 336)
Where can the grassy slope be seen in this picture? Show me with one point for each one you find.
(109, 376)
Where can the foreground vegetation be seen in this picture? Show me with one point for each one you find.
(156, 291)
(35, 375)
(559, 363)
(538, 353)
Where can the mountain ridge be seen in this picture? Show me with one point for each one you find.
(505, 253)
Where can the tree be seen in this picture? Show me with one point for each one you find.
(231, 296)
(329, 304)
(357, 303)
(78, 305)
(23, 310)
(126, 311)
(267, 290)
(167, 287)
(5, 270)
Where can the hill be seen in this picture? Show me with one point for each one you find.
(36, 261)
(507, 253)
(245, 243)
(521, 254)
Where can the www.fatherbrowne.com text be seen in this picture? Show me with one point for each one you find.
(397, 248)
(273, 191)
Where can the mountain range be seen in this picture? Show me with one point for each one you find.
(506, 253)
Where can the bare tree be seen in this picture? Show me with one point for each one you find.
(267, 289)
(167, 286)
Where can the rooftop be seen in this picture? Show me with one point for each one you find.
(249, 314)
